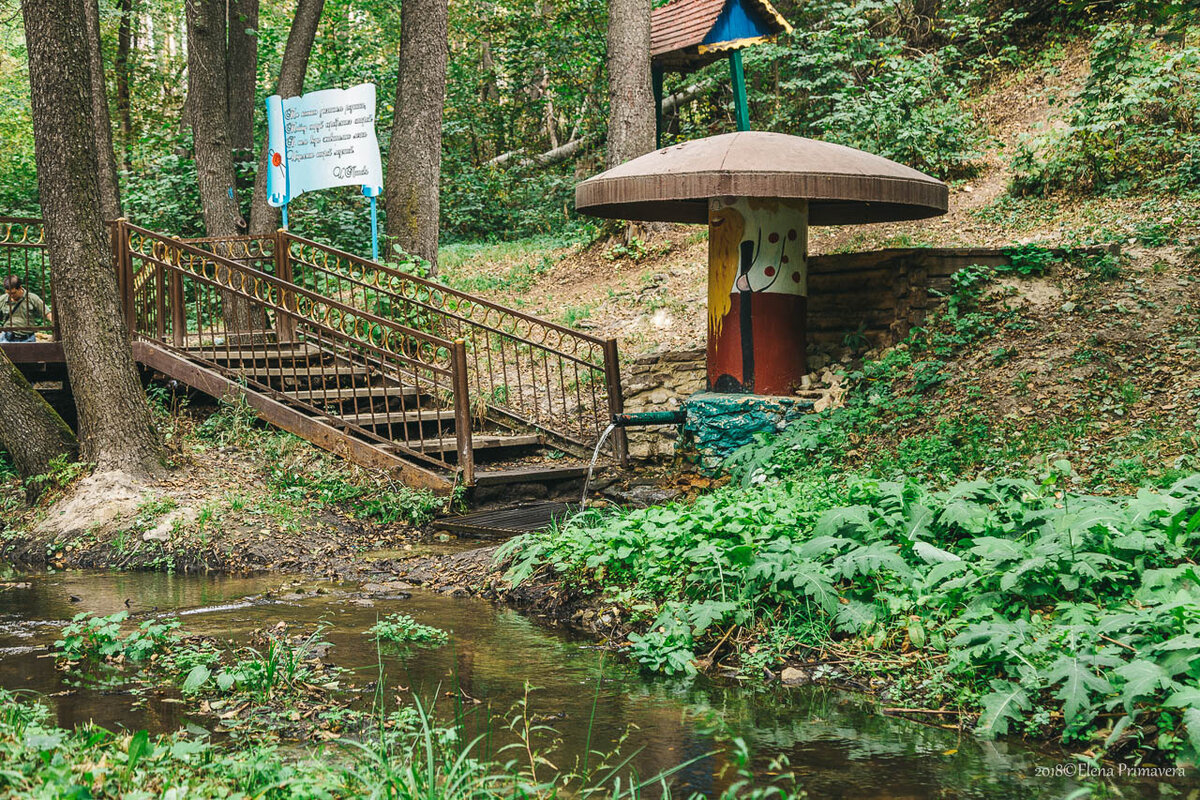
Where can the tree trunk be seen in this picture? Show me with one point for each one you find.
(242, 90)
(630, 95)
(210, 122)
(415, 157)
(124, 70)
(33, 433)
(209, 118)
(110, 191)
(263, 218)
(115, 429)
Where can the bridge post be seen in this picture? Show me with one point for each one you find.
(462, 412)
(616, 400)
(285, 326)
(123, 263)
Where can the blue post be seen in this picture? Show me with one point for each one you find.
(284, 207)
(374, 230)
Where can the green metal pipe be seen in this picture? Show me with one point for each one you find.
(649, 418)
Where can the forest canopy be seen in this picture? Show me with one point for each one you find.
(525, 78)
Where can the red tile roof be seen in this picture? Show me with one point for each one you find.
(682, 24)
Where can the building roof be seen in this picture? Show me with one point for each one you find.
(843, 186)
(687, 34)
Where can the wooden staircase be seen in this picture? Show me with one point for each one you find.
(438, 387)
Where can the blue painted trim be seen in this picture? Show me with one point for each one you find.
(737, 21)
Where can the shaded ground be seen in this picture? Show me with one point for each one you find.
(237, 498)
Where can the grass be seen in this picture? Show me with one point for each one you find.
(272, 688)
(523, 262)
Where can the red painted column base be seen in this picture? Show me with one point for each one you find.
(775, 327)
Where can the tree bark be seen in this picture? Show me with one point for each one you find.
(242, 74)
(124, 69)
(630, 94)
(110, 191)
(115, 429)
(263, 218)
(33, 433)
(209, 119)
(415, 156)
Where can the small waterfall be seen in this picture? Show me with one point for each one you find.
(595, 456)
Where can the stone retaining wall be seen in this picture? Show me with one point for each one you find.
(879, 294)
(660, 382)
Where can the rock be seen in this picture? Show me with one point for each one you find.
(1067, 307)
(794, 677)
(386, 587)
(362, 602)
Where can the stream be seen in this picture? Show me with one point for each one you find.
(837, 743)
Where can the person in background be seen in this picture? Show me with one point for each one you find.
(20, 311)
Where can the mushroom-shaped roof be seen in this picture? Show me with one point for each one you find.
(687, 34)
(844, 186)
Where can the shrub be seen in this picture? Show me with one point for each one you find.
(1132, 127)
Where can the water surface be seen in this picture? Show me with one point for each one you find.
(838, 743)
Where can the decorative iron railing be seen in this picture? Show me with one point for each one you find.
(368, 325)
(307, 350)
(23, 253)
(548, 376)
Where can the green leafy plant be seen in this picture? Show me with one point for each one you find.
(403, 629)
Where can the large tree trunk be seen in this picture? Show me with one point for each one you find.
(630, 94)
(242, 75)
(209, 119)
(114, 421)
(263, 218)
(33, 433)
(124, 74)
(110, 191)
(415, 157)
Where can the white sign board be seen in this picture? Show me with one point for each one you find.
(320, 140)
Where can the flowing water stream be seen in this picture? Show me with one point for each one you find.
(838, 743)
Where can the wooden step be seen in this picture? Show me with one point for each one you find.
(478, 442)
(291, 351)
(337, 395)
(539, 474)
(382, 418)
(343, 372)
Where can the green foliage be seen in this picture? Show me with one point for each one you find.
(61, 474)
(1033, 597)
(93, 638)
(1028, 260)
(1132, 126)
(403, 629)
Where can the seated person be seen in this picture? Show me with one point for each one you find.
(19, 311)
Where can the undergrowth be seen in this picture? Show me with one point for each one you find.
(1059, 600)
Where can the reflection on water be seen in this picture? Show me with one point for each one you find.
(836, 742)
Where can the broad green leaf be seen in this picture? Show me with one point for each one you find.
(196, 679)
(139, 745)
(931, 554)
(1002, 705)
(1078, 684)
(1142, 678)
(1191, 718)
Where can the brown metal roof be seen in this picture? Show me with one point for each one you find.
(844, 186)
(678, 29)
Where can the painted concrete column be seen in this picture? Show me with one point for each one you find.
(757, 294)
